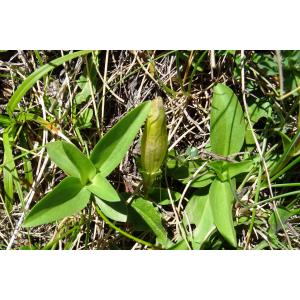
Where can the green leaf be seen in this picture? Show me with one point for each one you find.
(87, 88)
(11, 180)
(84, 120)
(227, 122)
(198, 212)
(203, 180)
(221, 201)
(101, 187)
(180, 245)
(234, 169)
(260, 109)
(290, 151)
(275, 224)
(116, 211)
(5, 120)
(28, 83)
(282, 213)
(71, 160)
(67, 198)
(8, 170)
(217, 167)
(111, 149)
(286, 141)
(152, 217)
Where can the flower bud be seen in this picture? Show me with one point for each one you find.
(154, 144)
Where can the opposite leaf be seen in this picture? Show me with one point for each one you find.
(227, 124)
(198, 212)
(66, 199)
(116, 211)
(101, 187)
(221, 201)
(111, 149)
(152, 217)
(71, 160)
(234, 169)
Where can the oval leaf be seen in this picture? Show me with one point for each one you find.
(71, 160)
(27, 84)
(116, 211)
(227, 124)
(111, 149)
(221, 201)
(103, 189)
(234, 169)
(198, 212)
(66, 199)
(152, 217)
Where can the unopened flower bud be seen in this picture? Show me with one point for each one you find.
(154, 144)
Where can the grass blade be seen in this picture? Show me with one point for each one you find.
(27, 84)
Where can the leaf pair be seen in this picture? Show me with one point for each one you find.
(213, 209)
(227, 138)
(87, 176)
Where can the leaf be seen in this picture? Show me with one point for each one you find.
(203, 180)
(101, 187)
(275, 224)
(152, 217)
(67, 198)
(71, 160)
(87, 88)
(116, 211)
(227, 124)
(198, 212)
(266, 63)
(284, 214)
(84, 120)
(217, 167)
(111, 149)
(286, 141)
(26, 160)
(260, 109)
(221, 201)
(234, 169)
(289, 152)
(180, 245)
(5, 120)
(8, 170)
(28, 83)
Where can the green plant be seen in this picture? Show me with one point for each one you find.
(213, 209)
(210, 207)
(86, 176)
(15, 120)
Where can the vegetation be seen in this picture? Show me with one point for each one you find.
(149, 149)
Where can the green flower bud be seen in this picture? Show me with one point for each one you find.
(154, 143)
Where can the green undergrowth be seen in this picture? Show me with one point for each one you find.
(178, 150)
